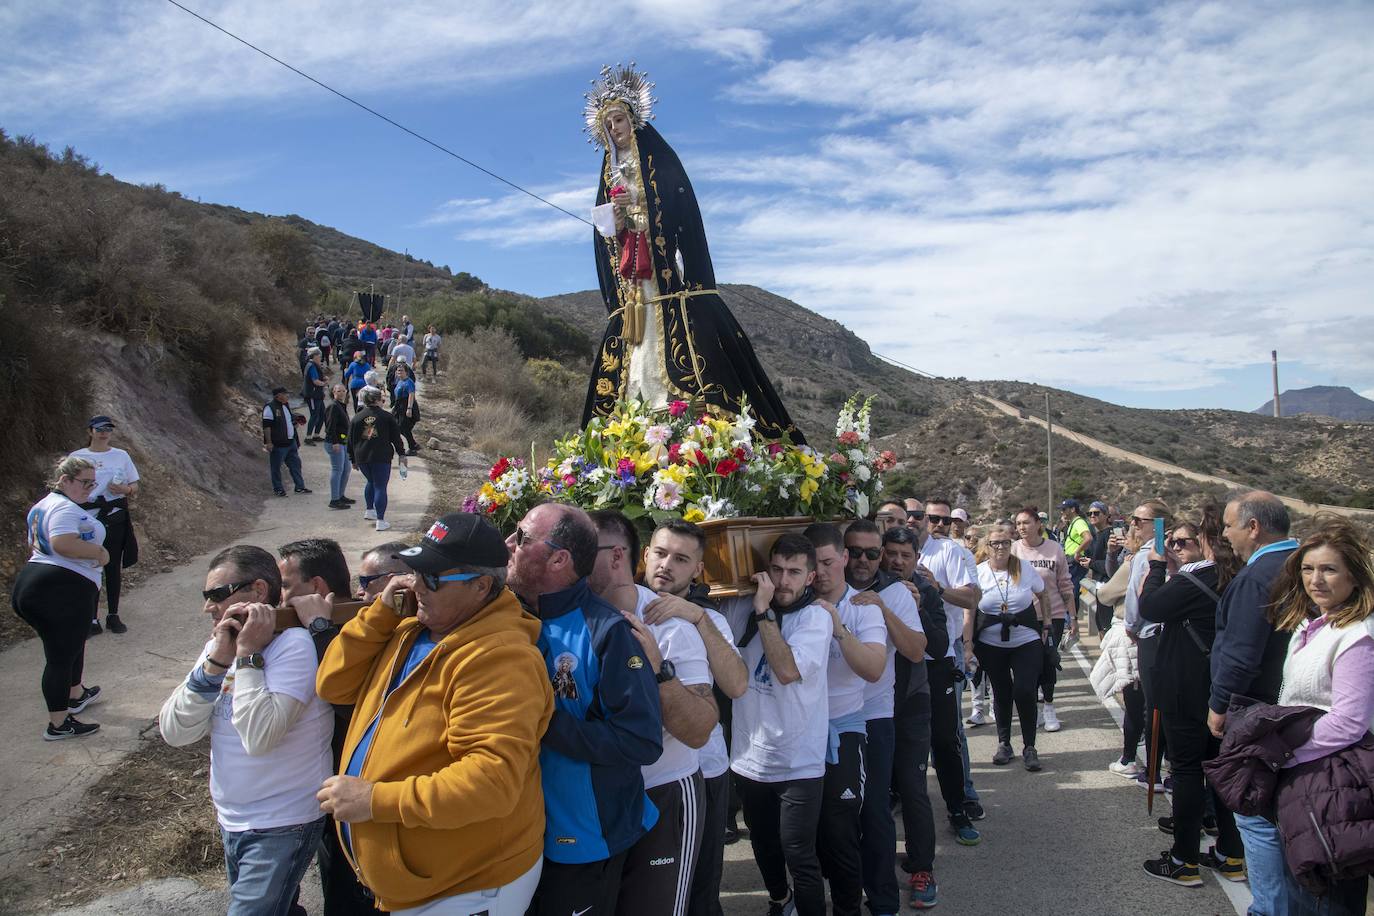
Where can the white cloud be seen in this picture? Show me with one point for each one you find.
(518, 220)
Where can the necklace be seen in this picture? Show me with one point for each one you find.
(1002, 586)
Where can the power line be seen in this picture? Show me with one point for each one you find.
(377, 114)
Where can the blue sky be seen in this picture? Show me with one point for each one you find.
(1135, 201)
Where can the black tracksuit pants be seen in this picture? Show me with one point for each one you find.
(837, 841)
(783, 818)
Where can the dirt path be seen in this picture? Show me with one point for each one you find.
(42, 783)
(1163, 467)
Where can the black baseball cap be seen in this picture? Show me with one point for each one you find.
(100, 421)
(457, 539)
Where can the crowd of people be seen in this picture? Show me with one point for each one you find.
(564, 720)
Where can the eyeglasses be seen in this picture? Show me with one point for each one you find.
(222, 592)
(432, 582)
(365, 581)
(999, 545)
(523, 537)
(938, 519)
(87, 482)
(1137, 520)
(915, 515)
(1180, 543)
(871, 553)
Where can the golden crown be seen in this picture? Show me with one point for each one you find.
(624, 85)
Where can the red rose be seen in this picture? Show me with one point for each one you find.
(726, 466)
(499, 468)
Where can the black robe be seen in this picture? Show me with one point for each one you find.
(707, 356)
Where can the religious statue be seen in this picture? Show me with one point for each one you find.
(669, 337)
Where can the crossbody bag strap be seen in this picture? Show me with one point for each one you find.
(1205, 649)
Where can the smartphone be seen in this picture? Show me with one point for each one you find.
(1159, 536)
(1119, 530)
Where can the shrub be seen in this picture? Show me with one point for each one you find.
(486, 364)
(500, 427)
(561, 392)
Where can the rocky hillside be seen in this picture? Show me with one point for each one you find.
(1322, 401)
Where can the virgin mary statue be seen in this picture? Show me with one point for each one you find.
(669, 337)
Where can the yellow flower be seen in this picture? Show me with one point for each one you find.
(644, 461)
(677, 473)
(693, 514)
(617, 428)
(808, 489)
(488, 492)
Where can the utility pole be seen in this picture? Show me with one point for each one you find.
(1274, 357)
(1049, 455)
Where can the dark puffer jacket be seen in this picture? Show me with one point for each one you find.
(1324, 808)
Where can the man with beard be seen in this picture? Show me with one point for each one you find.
(903, 687)
(778, 744)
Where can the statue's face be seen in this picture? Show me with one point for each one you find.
(618, 125)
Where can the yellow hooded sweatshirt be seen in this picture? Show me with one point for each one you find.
(457, 804)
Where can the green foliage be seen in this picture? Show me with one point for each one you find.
(290, 261)
(537, 333)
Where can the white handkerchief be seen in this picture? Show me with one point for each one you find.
(603, 218)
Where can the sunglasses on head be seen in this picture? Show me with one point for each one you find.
(939, 519)
(871, 553)
(365, 581)
(433, 582)
(222, 592)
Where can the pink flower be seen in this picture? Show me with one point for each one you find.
(677, 408)
(626, 466)
(849, 437)
(774, 449)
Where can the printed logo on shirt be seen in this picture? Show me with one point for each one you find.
(371, 431)
(566, 840)
(763, 675)
(564, 684)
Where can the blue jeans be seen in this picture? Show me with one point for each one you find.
(878, 837)
(377, 474)
(292, 456)
(338, 469)
(264, 867)
(969, 793)
(1265, 865)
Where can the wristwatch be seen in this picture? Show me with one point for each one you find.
(666, 672)
(766, 615)
(252, 661)
(319, 625)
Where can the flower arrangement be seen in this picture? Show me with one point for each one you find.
(675, 463)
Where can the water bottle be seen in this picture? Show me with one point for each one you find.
(405, 472)
(86, 529)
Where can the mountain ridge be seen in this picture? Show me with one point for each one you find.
(1335, 401)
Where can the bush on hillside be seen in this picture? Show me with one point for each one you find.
(537, 333)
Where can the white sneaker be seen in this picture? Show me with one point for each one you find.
(370, 514)
(1127, 770)
(1052, 723)
(976, 719)
(383, 524)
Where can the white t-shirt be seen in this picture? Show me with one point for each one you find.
(432, 342)
(779, 731)
(952, 565)
(53, 515)
(403, 349)
(108, 464)
(844, 687)
(878, 696)
(999, 587)
(680, 643)
(714, 755)
(276, 789)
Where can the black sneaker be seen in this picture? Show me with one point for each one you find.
(1166, 825)
(1031, 759)
(974, 810)
(279, 492)
(1230, 868)
(1167, 869)
(347, 499)
(304, 490)
(337, 504)
(96, 628)
(731, 834)
(70, 728)
(88, 696)
(114, 624)
(1003, 755)
(1209, 825)
(782, 907)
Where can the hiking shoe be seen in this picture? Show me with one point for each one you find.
(964, 832)
(977, 719)
(70, 728)
(88, 696)
(1127, 770)
(1052, 723)
(1230, 868)
(96, 628)
(924, 890)
(304, 490)
(1030, 758)
(1003, 755)
(1167, 868)
(114, 624)
(974, 809)
(370, 514)
(383, 524)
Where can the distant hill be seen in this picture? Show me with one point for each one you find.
(1323, 401)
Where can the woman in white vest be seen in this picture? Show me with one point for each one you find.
(1325, 595)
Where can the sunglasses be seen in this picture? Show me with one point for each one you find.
(871, 553)
(522, 537)
(939, 519)
(365, 581)
(999, 545)
(915, 514)
(1137, 520)
(432, 582)
(1180, 543)
(222, 592)
(1093, 512)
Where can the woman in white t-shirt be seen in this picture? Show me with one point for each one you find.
(1012, 618)
(56, 591)
(116, 479)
